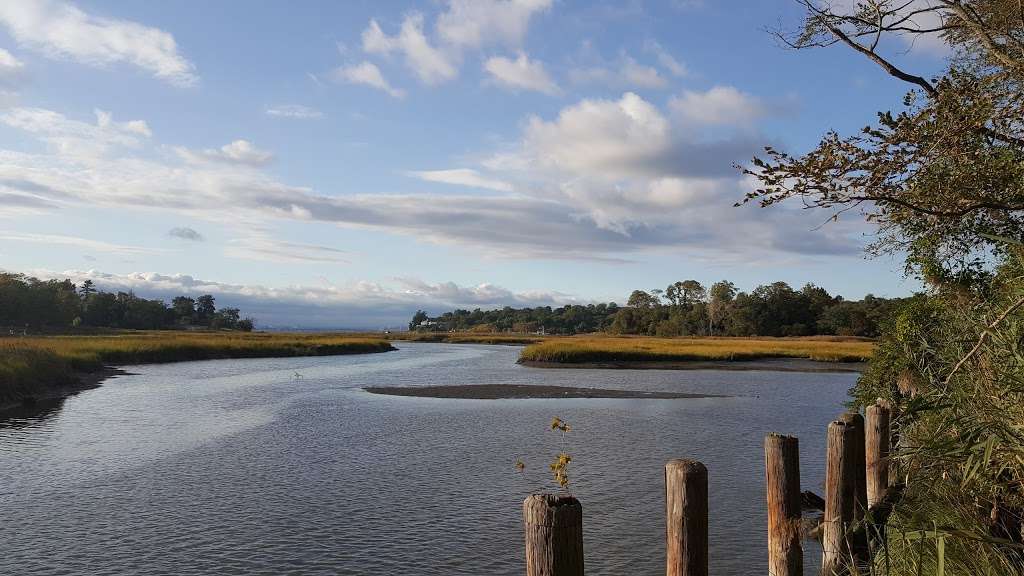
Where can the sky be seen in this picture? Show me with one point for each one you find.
(341, 164)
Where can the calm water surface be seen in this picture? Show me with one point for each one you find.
(241, 467)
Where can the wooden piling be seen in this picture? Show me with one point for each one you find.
(554, 535)
(876, 445)
(782, 475)
(686, 518)
(860, 502)
(840, 490)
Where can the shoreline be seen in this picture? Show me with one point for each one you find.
(83, 381)
(766, 364)
(526, 392)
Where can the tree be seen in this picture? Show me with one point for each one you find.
(720, 296)
(205, 309)
(641, 299)
(944, 178)
(184, 309)
(86, 289)
(418, 318)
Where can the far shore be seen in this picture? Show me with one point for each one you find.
(767, 364)
(525, 391)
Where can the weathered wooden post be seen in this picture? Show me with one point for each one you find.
(876, 428)
(860, 502)
(686, 518)
(840, 493)
(554, 535)
(782, 475)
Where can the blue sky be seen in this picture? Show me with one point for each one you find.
(343, 163)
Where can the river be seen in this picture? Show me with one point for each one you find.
(286, 466)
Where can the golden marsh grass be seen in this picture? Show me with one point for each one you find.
(30, 365)
(586, 349)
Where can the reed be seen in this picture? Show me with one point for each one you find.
(644, 349)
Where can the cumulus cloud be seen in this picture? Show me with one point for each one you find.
(462, 177)
(722, 105)
(185, 233)
(237, 152)
(358, 304)
(366, 73)
(474, 23)
(295, 111)
(463, 25)
(62, 31)
(521, 74)
(430, 64)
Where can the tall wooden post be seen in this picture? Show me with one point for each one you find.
(554, 535)
(840, 487)
(860, 502)
(686, 518)
(876, 428)
(782, 475)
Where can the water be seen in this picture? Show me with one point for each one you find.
(241, 467)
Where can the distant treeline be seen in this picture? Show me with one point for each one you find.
(33, 303)
(686, 308)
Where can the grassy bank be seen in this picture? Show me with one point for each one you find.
(31, 367)
(608, 349)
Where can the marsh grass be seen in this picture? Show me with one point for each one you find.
(644, 349)
(30, 366)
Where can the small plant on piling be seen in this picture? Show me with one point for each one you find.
(560, 465)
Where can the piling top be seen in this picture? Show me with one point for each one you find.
(556, 510)
(852, 418)
(686, 467)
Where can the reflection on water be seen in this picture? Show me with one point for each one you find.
(31, 414)
(240, 467)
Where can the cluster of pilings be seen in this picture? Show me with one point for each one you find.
(856, 485)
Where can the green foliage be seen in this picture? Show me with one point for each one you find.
(27, 302)
(687, 310)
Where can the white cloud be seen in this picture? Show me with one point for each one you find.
(462, 177)
(237, 152)
(463, 25)
(73, 137)
(601, 180)
(475, 23)
(430, 64)
(521, 74)
(263, 248)
(722, 105)
(667, 61)
(624, 72)
(637, 74)
(613, 137)
(60, 30)
(368, 74)
(296, 111)
(357, 304)
(77, 242)
(11, 69)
